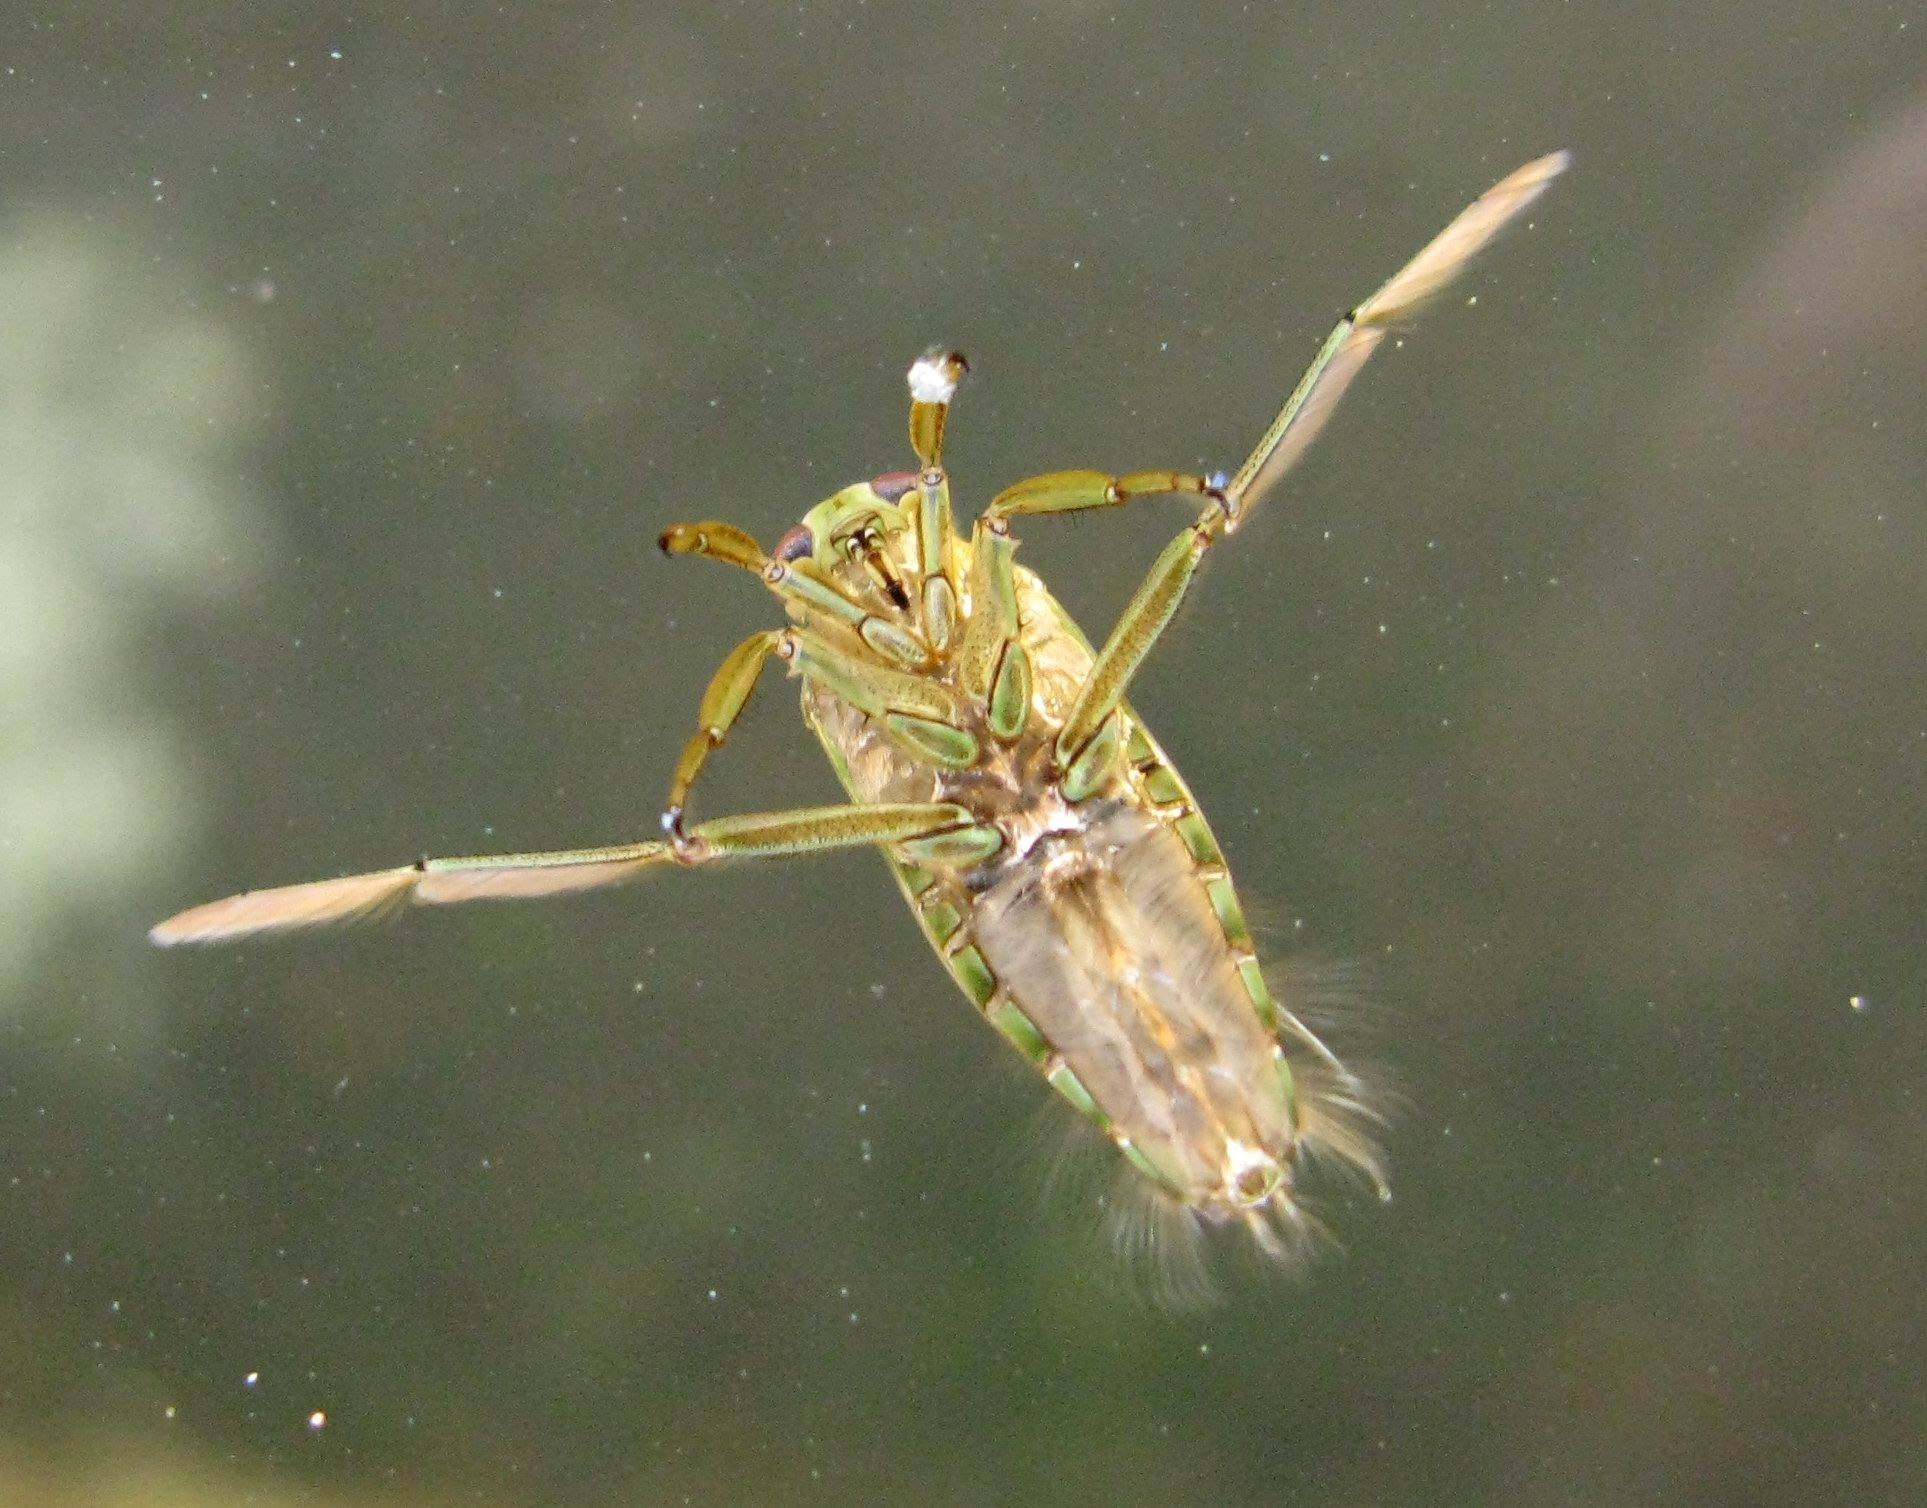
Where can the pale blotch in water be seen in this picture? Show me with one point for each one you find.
(123, 412)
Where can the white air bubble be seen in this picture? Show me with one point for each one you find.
(932, 380)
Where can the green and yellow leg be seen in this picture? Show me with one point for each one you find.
(1357, 335)
(993, 665)
(723, 702)
(1087, 745)
(918, 713)
(1089, 742)
(1079, 490)
(798, 584)
(435, 882)
(933, 384)
(1081, 745)
(817, 829)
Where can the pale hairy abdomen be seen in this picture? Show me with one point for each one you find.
(1107, 941)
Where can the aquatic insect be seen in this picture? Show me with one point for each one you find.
(1055, 859)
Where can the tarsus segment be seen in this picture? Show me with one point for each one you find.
(1357, 335)
(933, 383)
(728, 693)
(428, 882)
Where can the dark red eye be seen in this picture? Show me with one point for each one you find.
(795, 544)
(893, 484)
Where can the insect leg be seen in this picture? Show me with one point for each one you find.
(933, 383)
(1144, 619)
(728, 693)
(816, 829)
(426, 882)
(1297, 424)
(1136, 633)
(917, 713)
(993, 666)
(798, 584)
(1075, 491)
(1360, 331)
(435, 882)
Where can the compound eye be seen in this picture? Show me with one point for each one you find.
(893, 484)
(795, 544)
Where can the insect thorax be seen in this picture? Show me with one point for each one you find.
(1011, 784)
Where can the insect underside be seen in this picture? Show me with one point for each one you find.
(1057, 862)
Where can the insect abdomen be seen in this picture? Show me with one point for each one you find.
(1107, 940)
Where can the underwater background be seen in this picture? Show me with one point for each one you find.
(1565, 706)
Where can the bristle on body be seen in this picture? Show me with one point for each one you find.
(1154, 1248)
(1109, 940)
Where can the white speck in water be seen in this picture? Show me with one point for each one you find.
(317, 1421)
(1858, 1002)
(712, 1295)
(169, 1411)
(250, 1380)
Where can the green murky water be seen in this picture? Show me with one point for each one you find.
(350, 362)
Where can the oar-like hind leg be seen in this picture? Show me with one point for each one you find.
(1227, 504)
(435, 882)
